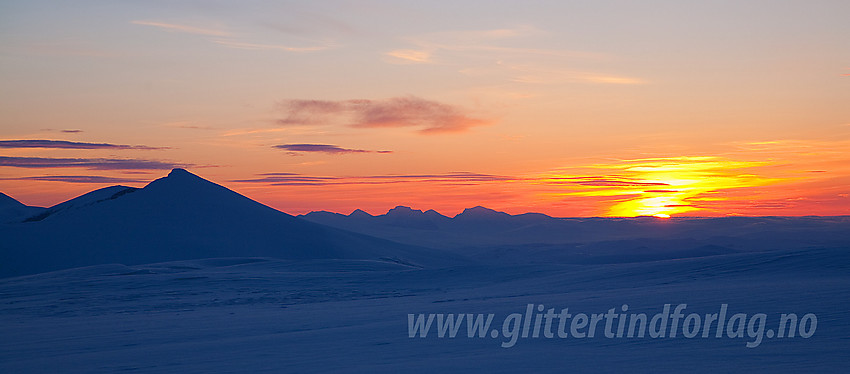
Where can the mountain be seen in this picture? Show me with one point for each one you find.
(179, 217)
(405, 217)
(478, 226)
(481, 213)
(12, 210)
(492, 236)
(93, 197)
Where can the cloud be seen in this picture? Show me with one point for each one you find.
(450, 176)
(289, 179)
(78, 179)
(296, 149)
(505, 54)
(611, 79)
(603, 181)
(182, 28)
(312, 112)
(64, 144)
(430, 117)
(294, 179)
(88, 163)
(66, 131)
(226, 39)
(255, 46)
(535, 73)
(411, 55)
(426, 46)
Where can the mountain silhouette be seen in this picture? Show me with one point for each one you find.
(485, 234)
(480, 212)
(178, 217)
(12, 210)
(90, 198)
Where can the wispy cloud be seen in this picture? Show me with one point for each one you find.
(187, 125)
(64, 144)
(426, 46)
(93, 179)
(411, 55)
(534, 73)
(298, 149)
(182, 28)
(294, 179)
(603, 181)
(88, 163)
(430, 117)
(505, 52)
(66, 131)
(610, 79)
(227, 39)
(256, 46)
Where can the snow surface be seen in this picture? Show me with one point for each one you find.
(268, 315)
(186, 276)
(12, 210)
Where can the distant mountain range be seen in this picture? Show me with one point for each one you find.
(178, 217)
(482, 226)
(491, 236)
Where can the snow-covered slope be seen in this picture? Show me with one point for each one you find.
(91, 198)
(12, 210)
(181, 216)
(350, 316)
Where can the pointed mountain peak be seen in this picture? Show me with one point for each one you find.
(481, 212)
(433, 213)
(180, 178)
(7, 201)
(181, 173)
(359, 213)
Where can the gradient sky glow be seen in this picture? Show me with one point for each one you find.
(591, 108)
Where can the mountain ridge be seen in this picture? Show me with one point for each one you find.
(12, 210)
(182, 216)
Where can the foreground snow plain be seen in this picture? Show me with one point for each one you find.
(266, 315)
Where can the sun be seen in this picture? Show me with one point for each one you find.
(661, 187)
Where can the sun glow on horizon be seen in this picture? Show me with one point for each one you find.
(662, 187)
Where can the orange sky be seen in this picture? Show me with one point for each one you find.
(572, 109)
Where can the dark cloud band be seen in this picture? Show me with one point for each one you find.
(322, 148)
(64, 144)
(78, 179)
(87, 163)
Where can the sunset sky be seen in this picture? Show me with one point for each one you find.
(569, 108)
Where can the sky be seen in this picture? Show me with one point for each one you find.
(568, 108)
